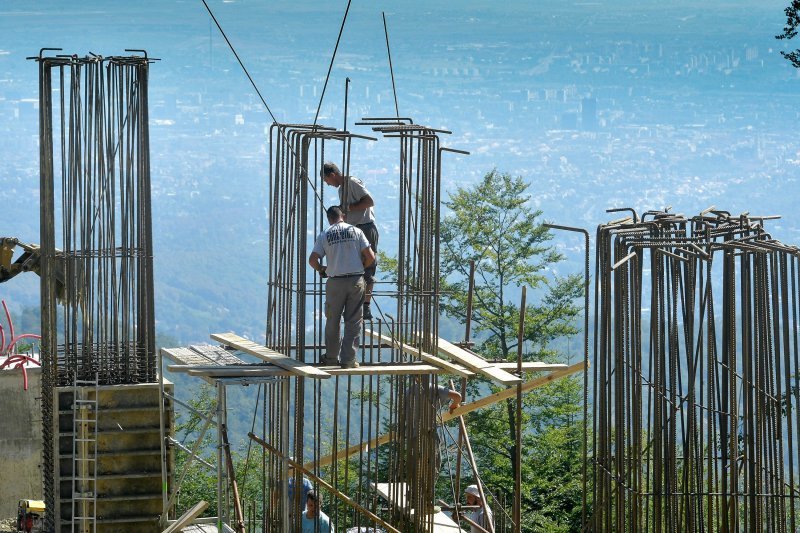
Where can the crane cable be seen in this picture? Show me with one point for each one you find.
(261, 97)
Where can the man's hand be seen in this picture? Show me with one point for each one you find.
(323, 271)
(455, 400)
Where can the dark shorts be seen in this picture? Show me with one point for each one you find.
(371, 232)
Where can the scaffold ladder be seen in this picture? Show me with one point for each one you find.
(84, 456)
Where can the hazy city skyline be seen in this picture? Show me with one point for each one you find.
(597, 104)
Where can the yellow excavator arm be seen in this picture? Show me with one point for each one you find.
(27, 262)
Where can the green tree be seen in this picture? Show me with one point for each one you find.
(200, 481)
(790, 31)
(493, 224)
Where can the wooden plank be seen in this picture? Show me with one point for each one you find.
(512, 391)
(352, 450)
(392, 492)
(187, 517)
(203, 354)
(428, 358)
(446, 417)
(294, 366)
(200, 528)
(396, 493)
(531, 366)
(362, 370)
(442, 523)
(476, 363)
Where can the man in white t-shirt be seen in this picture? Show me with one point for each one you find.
(348, 253)
(357, 202)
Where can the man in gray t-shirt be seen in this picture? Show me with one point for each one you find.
(348, 252)
(423, 424)
(419, 443)
(359, 206)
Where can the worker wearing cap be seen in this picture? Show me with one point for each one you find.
(356, 200)
(348, 253)
(483, 516)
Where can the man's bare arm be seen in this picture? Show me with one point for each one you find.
(365, 203)
(367, 256)
(455, 399)
(313, 260)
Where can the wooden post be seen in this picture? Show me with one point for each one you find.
(518, 437)
(324, 484)
(237, 503)
(467, 332)
(463, 427)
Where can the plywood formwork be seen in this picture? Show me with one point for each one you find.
(131, 471)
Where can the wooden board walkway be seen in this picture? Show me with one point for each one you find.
(271, 356)
(272, 371)
(205, 368)
(477, 364)
(416, 352)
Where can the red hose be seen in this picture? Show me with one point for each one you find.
(20, 361)
(24, 375)
(10, 322)
(24, 336)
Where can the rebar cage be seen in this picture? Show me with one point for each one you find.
(326, 420)
(96, 235)
(696, 376)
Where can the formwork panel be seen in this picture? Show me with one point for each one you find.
(129, 483)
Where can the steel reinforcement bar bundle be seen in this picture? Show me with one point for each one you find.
(321, 423)
(96, 236)
(697, 376)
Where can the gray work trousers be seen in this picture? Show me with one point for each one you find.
(344, 297)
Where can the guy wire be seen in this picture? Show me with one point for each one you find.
(253, 83)
(391, 70)
(330, 66)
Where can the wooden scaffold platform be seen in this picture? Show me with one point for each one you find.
(367, 438)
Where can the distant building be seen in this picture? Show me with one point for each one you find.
(569, 121)
(589, 113)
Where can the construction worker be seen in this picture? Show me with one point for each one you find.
(314, 520)
(482, 516)
(423, 458)
(305, 487)
(348, 252)
(438, 396)
(356, 200)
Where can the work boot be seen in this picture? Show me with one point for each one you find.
(350, 364)
(367, 312)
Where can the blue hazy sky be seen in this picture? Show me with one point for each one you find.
(690, 105)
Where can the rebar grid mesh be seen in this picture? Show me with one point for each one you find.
(696, 376)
